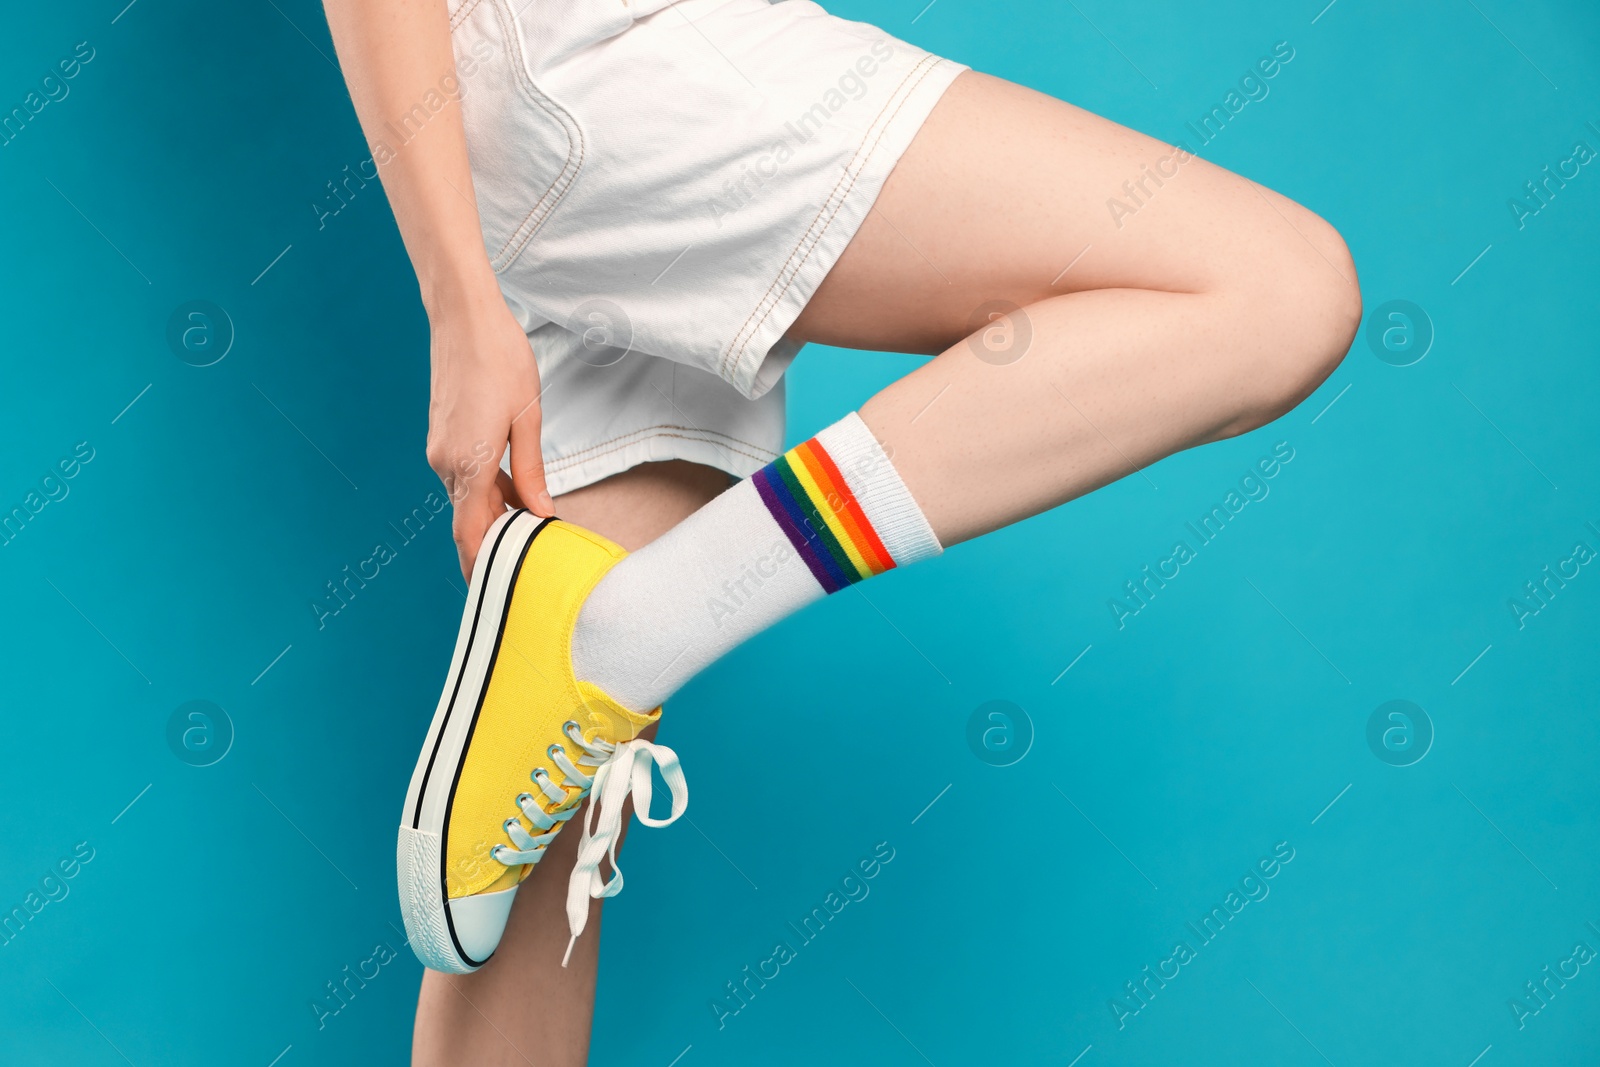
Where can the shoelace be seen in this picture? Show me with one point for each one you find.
(621, 771)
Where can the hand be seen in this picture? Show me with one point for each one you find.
(484, 397)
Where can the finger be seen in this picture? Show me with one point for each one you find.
(475, 511)
(527, 463)
(507, 490)
(501, 494)
(467, 529)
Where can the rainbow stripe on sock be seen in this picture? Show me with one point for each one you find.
(812, 502)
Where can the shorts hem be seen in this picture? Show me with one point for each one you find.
(654, 444)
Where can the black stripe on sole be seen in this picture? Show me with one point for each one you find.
(483, 692)
(466, 657)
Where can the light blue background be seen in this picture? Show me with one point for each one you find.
(1220, 721)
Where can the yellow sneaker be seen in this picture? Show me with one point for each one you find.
(516, 744)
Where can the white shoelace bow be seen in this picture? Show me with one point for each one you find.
(626, 773)
(621, 771)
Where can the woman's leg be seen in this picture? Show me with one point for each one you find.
(524, 1002)
(1197, 306)
(1204, 307)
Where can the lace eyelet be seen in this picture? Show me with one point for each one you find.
(524, 799)
(554, 749)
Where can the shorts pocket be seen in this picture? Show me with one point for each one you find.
(526, 149)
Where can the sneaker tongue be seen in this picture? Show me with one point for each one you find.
(599, 715)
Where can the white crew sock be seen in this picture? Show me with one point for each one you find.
(826, 514)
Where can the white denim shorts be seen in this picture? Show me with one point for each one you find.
(662, 187)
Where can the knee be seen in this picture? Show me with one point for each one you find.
(1307, 310)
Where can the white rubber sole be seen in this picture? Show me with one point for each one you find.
(458, 936)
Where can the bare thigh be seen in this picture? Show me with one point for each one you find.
(1007, 194)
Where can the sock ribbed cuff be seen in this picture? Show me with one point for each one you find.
(876, 486)
(843, 506)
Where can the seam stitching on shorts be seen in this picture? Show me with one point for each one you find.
(639, 436)
(459, 15)
(655, 431)
(841, 191)
(523, 232)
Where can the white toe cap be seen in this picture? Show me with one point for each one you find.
(480, 920)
